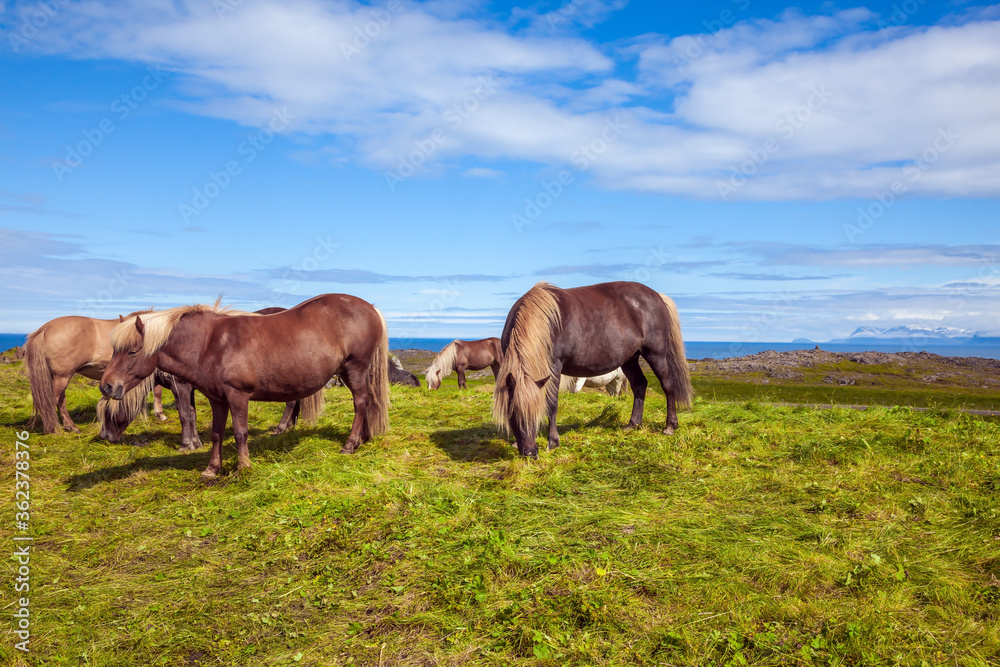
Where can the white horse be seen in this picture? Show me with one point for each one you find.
(614, 383)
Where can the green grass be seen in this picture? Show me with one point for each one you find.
(720, 389)
(757, 535)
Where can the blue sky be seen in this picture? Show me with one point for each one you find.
(781, 170)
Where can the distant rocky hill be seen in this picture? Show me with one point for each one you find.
(910, 334)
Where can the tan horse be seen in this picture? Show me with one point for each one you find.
(463, 355)
(55, 352)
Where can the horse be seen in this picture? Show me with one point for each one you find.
(234, 359)
(585, 331)
(463, 355)
(56, 351)
(116, 417)
(613, 383)
(399, 375)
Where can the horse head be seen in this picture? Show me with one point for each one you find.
(522, 403)
(433, 376)
(130, 364)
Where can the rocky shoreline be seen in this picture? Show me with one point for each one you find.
(855, 368)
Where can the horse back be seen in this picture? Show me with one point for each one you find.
(304, 345)
(605, 325)
(73, 343)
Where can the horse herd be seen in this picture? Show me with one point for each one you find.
(289, 355)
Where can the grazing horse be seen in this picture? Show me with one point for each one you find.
(55, 352)
(116, 417)
(399, 375)
(614, 383)
(585, 331)
(463, 355)
(235, 359)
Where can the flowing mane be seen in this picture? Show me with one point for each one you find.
(527, 360)
(445, 360)
(158, 325)
(124, 411)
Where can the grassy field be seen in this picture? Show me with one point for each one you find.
(757, 535)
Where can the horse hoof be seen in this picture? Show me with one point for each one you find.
(668, 430)
(346, 450)
(208, 473)
(630, 427)
(162, 418)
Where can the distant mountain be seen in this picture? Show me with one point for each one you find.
(906, 331)
(912, 334)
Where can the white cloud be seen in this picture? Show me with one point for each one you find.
(800, 107)
(483, 172)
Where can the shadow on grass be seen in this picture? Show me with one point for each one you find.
(479, 444)
(261, 442)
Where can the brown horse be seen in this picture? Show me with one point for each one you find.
(235, 359)
(585, 331)
(116, 417)
(55, 352)
(463, 355)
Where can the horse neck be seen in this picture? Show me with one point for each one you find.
(181, 353)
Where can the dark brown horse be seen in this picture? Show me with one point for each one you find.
(585, 331)
(55, 352)
(399, 375)
(235, 359)
(117, 415)
(461, 356)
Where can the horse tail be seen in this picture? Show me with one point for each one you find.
(519, 395)
(679, 379)
(43, 396)
(115, 416)
(377, 414)
(311, 408)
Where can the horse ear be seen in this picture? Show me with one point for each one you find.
(121, 318)
(139, 326)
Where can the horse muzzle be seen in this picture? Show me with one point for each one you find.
(114, 393)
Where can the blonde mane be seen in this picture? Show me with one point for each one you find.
(445, 360)
(527, 360)
(123, 411)
(158, 325)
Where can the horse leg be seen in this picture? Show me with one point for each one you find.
(184, 401)
(158, 403)
(59, 385)
(495, 367)
(552, 403)
(461, 377)
(220, 414)
(287, 418)
(637, 380)
(356, 379)
(240, 408)
(662, 371)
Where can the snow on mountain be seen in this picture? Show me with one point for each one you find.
(907, 331)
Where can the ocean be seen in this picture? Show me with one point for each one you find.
(701, 349)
